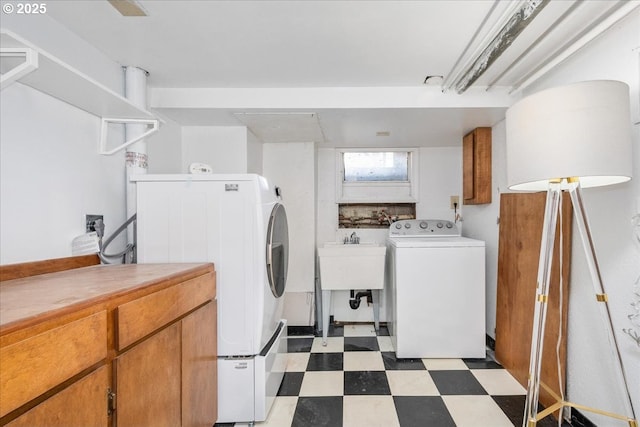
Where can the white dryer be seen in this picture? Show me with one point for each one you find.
(236, 222)
(435, 291)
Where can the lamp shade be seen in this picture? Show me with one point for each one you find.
(582, 130)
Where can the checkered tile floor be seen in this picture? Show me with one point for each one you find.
(356, 381)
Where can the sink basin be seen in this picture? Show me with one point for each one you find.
(347, 266)
(369, 244)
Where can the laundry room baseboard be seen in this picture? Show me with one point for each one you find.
(491, 343)
(578, 419)
(298, 331)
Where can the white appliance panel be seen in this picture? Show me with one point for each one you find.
(223, 219)
(440, 302)
(191, 243)
(434, 242)
(235, 262)
(201, 222)
(260, 375)
(435, 287)
(270, 368)
(390, 292)
(236, 400)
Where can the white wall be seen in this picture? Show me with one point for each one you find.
(591, 380)
(227, 149)
(164, 149)
(254, 154)
(51, 176)
(51, 172)
(224, 148)
(481, 222)
(440, 177)
(291, 166)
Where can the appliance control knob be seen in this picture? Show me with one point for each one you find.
(423, 224)
(398, 226)
(407, 225)
(440, 225)
(449, 225)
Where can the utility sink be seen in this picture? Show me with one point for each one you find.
(345, 266)
(351, 266)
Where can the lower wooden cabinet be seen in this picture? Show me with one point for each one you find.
(32, 366)
(148, 381)
(169, 379)
(135, 346)
(82, 404)
(199, 372)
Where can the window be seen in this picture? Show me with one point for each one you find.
(376, 175)
(376, 166)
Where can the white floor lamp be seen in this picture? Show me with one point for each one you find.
(569, 138)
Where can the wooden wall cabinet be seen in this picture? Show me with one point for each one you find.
(476, 167)
(145, 333)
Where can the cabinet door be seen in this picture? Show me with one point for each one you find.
(521, 219)
(148, 381)
(82, 404)
(199, 381)
(476, 167)
(467, 167)
(33, 366)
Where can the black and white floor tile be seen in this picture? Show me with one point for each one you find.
(356, 381)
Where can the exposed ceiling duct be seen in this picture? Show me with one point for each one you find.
(505, 37)
(528, 39)
(128, 7)
(606, 19)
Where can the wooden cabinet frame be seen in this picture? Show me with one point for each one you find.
(476, 167)
(146, 332)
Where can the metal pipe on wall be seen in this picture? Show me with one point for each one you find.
(136, 155)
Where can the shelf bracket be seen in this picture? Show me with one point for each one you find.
(152, 127)
(29, 64)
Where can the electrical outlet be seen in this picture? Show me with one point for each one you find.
(90, 222)
(455, 200)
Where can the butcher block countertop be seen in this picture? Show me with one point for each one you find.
(31, 300)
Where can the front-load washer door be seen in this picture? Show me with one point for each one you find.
(277, 250)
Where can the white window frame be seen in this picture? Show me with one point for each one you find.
(378, 191)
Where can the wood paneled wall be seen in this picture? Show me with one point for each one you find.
(521, 220)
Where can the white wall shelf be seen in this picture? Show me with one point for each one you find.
(21, 61)
(58, 79)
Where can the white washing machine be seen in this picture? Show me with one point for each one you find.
(435, 289)
(236, 222)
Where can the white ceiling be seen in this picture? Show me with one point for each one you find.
(360, 66)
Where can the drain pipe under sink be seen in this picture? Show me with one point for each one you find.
(354, 302)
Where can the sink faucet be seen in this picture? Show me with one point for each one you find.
(351, 240)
